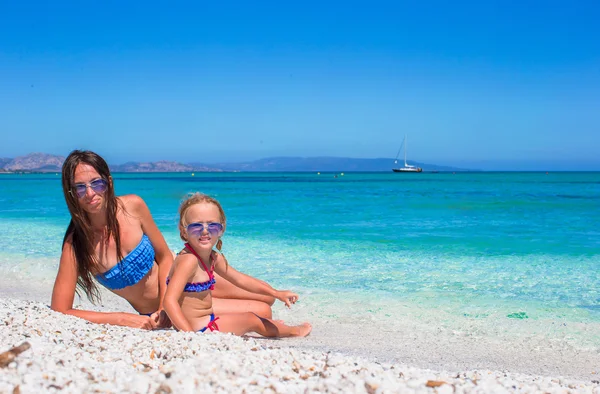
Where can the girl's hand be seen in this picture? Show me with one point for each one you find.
(161, 319)
(136, 321)
(287, 297)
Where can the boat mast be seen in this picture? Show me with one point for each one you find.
(405, 151)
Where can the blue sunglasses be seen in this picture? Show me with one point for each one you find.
(196, 229)
(97, 185)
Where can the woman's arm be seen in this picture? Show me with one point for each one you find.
(164, 256)
(185, 269)
(251, 284)
(63, 295)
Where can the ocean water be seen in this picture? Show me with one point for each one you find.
(474, 251)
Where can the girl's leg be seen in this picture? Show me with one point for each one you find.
(243, 323)
(223, 306)
(228, 298)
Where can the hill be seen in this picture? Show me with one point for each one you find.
(41, 162)
(159, 166)
(4, 161)
(333, 164)
(38, 162)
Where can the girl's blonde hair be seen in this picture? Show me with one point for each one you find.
(198, 198)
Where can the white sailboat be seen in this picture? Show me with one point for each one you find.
(407, 167)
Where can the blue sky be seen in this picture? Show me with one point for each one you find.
(491, 85)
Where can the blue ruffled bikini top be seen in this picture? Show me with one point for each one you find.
(198, 287)
(131, 269)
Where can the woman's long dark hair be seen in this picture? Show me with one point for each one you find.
(80, 226)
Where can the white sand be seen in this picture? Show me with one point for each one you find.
(71, 355)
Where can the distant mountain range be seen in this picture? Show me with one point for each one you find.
(41, 162)
(34, 162)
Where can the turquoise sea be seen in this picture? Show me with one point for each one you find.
(478, 250)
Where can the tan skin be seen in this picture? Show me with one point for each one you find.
(134, 220)
(228, 298)
(191, 311)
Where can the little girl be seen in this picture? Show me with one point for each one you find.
(188, 300)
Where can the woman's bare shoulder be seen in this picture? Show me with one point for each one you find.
(132, 204)
(131, 200)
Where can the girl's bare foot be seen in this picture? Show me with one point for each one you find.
(302, 330)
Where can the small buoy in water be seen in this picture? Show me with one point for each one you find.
(318, 173)
(342, 174)
(192, 174)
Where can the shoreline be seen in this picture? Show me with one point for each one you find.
(365, 348)
(422, 342)
(71, 354)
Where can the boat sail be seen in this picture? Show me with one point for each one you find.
(407, 167)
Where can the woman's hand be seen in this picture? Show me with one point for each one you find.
(161, 319)
(287, 297)
(136, 321)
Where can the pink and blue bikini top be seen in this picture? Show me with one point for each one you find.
(131, 269)
(198, 287)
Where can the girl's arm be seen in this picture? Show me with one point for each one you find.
(227, 290)
(251, 284)
(163, 257)
(63, 295)
(185, 268)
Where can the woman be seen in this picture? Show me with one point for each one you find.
(114, 241)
